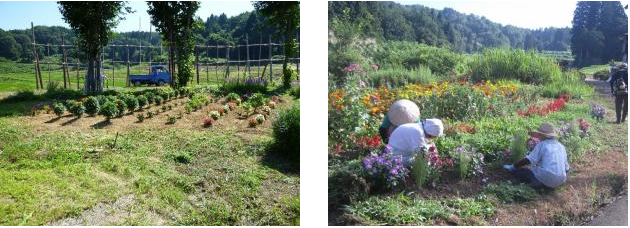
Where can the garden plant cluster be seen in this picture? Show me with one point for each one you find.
(486, 119)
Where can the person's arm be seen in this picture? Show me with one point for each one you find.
(384, 132)
(521, 163)
(612, 81)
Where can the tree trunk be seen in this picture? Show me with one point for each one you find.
(99, 80)
(89, 78)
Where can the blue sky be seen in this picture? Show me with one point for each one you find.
(18, 15)
(525, 14)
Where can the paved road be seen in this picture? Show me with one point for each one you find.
(615, 214)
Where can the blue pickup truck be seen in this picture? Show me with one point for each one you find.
(158, 75)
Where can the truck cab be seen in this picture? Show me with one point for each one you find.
(158, 75)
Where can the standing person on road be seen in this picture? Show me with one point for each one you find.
(619, 90)
(401, 112)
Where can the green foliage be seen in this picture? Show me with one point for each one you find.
(462, 164)
(571, 82)
(420, 170)
(158, 100)
(122, 107)
(58, 108)
(233, 97)
(295, 92)
(109, 110)
(171, 119)
(140, 117)
(142, 101)
(242, 88)
(459, 103)
(257, 100)
(525, 66)
(214, 115)
(518, 146)
(601, 75)
(131, 102)
(509, 193)
(76, 108)
(92, 106)
(404, 210)
(412, 55)
(286, 132)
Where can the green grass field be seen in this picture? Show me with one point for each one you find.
(21, 76)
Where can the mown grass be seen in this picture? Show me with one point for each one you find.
(50, 175)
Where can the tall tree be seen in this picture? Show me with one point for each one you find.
(93, 23)
(8, 47)
(174, 20)
(613, 24)
(286, 17)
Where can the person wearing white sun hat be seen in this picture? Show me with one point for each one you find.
(401, 112)
(408, 138)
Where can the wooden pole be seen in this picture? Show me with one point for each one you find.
(38, 73)
(247, 70)
(270, 61)
(48, 54)
(216, 62)
(64, 66)
(227, 63)
(238, 64)
(259, 53)
(207, 63)
(128, 66)
(113, 67)
(197, 62)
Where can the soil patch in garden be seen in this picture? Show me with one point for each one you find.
(129, 121)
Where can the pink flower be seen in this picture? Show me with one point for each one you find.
(374, 67)
(361, 84)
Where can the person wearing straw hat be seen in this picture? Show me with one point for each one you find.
(619, 89)
(401, 112)
(408, 138)
(548, 161)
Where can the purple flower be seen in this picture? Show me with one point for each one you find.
(361, 84)
(394, 171)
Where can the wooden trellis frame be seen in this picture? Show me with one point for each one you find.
(227, 62)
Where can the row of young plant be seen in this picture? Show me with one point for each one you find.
(115, 104)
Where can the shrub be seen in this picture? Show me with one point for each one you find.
(411, 55)
(171, 119)
(286, 131)
(150, 98)
(233, 97)
(122, 107)
(462, 164)
(150, 114)
(260, 119)
(207, 122)
(76, 108)
(214, 115)
(59, 108)
(92, 106)
(257, 100)
(140, 117)
(226, 108)
(109, 110)
(158, 100)
(142, 101)
(509, 193)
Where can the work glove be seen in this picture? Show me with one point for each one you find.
(509, 167)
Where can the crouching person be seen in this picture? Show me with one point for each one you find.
(401, 112)
(548, 161)
(407, 139)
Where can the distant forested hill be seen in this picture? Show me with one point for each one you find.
(216, 29)
(443, 28)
